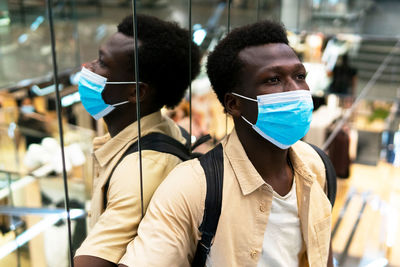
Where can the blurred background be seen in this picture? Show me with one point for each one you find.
(350, 49)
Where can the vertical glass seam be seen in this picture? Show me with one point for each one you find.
(138, 115)
(190, 75)
(60, 126)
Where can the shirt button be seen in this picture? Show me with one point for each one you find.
(253, 254)
(262, 207)
(89, 214)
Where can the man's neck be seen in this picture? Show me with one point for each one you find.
(270, 161)
(116, 126)
(120, 119)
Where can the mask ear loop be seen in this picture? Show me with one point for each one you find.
(245, 97)
(119, 104)
(246, 120)
(123, 102)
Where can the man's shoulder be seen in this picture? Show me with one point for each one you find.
(189, 172)
(154, 164)
(184, 190)
(186, 180)
(307, 152)
(310, 158)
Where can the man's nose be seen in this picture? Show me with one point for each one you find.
(89, 65)
(293, 85)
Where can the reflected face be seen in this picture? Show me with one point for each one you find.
(113, 63)
(268, 69)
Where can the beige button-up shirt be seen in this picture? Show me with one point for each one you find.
(112, 229)
(168, 234)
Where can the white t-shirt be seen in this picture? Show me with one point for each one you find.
(282, 237)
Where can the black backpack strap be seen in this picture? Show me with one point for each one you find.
(163, 143)
(198, 142)
(154, 141)
(213, 165)
(330, 174)
(185, 135)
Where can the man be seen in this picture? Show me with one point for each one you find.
(344, 81)
(33, 125)
(274, 209)
(164, 76)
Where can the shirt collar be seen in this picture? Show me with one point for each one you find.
(248, 177)
(112, 146)
(299, 166)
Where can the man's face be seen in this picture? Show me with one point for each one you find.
(270, 68)
(113, 63)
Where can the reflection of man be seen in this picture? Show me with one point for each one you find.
(274, 209)
(164, 76)
(33, 126)
(344, 80)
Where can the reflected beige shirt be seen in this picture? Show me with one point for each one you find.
(112, 229)
(168, 234)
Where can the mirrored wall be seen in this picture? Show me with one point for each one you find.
(46, 134)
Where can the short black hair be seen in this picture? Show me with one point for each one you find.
(163, 57)
(224, 65)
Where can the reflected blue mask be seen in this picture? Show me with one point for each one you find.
(91, 87)
(283, 118)
(27, 109)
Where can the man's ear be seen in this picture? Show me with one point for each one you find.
(232, 105)
(144, 92)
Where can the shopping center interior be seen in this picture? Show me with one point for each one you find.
(359, 129)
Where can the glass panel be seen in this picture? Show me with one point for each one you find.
(30, 139)
(210, 24)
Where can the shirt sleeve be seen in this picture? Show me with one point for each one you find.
(168, 234)
(117, 225)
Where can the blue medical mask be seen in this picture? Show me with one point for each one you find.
(283, 118)
(91, 87)
(27, 109)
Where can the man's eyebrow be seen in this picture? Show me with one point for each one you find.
(102, 51)
(300, 66)
(296, 66)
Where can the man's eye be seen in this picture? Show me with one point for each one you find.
(272, 80)
(301, 76)
(101, 62)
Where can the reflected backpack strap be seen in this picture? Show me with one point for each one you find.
(213, 165)
(163, 143)
(199, 141)
(154, 141)
(185, 135)
(330, 174)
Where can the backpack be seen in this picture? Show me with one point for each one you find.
(213, 165)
